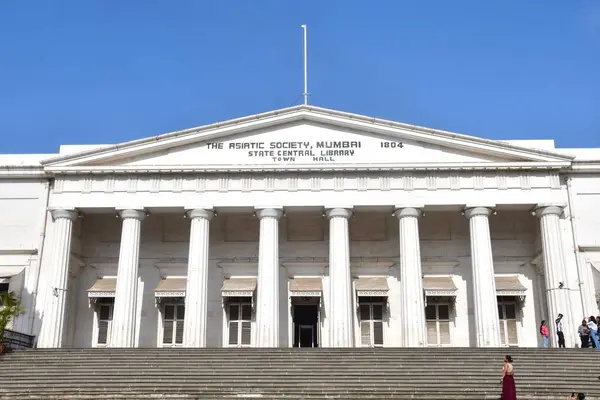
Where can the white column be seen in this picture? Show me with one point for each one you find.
(484, 283)
(412, 312)
(341, 324)
(267, 311)
(52, 332)
(196, 298)
(557, 287)
(124, 315)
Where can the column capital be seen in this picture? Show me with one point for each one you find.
(269, 213)
(338, 212)
(132, 213)
(70, 214)
(203, 213)
(548, 209)
(402, 212)
(471, 212)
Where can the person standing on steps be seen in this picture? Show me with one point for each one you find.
(559, 331)
(584, 334)
(545, 332)
(591, 342)
(509, 391)
(592, 324)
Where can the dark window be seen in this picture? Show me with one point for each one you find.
(371, 321)
(173, 319)
(240, 324)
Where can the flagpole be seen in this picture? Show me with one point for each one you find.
(305, 69)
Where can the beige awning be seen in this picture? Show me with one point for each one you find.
(172, 287)
(439, 286)
(306, 287)
(238, 287)
(7, 272)
(509, 286)
(104, 287)
(375, 286)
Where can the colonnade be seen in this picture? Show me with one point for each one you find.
(341, 327)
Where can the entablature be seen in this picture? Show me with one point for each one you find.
(300, 181)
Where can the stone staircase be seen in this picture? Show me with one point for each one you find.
(391, 373)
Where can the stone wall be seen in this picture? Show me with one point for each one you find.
(22, 217)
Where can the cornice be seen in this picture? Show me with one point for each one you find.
(585, 166)
(23, 172)
(374, 167)
(173, 135)
(427, 134)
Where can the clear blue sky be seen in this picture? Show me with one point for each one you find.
(106, 71)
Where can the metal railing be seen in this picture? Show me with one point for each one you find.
(17, 340)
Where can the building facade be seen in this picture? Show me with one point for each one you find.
(301, 227)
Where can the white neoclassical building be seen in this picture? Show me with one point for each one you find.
(301, 227)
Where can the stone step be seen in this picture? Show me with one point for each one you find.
(324, 362)
(162, 384)
(454, 395)
(291, 389)
(298, 356)
(279, 387)
(300, 371)
(280, 363)
(289, 359)
(431, 395)
(308, 354)
(357, 371)
(232, 352)
(294, 396)
(271, 362)
(291, 368)
(208, 374)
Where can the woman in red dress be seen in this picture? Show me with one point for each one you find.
(509, 392)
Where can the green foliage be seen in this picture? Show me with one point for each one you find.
(10, 308)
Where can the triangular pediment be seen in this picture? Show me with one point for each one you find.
(303, 138)
(305, 143)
